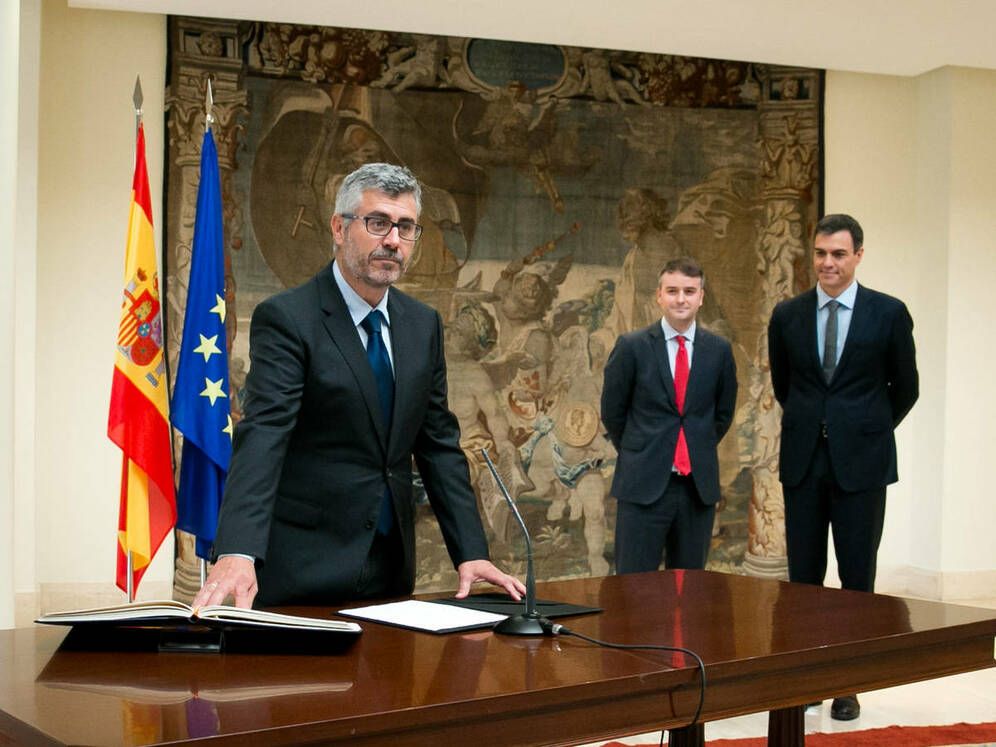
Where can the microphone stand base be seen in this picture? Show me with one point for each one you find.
(527, 624)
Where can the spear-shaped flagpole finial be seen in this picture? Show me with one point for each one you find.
(137, 99)
(208, 107)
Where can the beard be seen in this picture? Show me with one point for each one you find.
(379, 268)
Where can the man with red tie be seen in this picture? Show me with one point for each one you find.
(669, 397)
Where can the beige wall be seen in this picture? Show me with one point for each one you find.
(84, 169)
(912, 158)
(971, 333)
(870, 173)
(9, 86)
(25, 292)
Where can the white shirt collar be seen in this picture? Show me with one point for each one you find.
(845, 299)
(358, 308)
(670, 333)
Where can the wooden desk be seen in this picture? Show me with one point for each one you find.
(767, 646)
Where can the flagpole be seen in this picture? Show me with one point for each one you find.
(199, 408)
(130, 582)
(208, 121)
(137, 420)
(137, 100)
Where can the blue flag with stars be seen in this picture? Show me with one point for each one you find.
(200, 408)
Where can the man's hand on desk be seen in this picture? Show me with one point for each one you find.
(484, 570)
(233, 576)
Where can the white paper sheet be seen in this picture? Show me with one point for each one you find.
(434, 618)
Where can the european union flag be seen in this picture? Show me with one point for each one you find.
(200, 407)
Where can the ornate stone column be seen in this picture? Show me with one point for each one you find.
(203, 49)
(789, 143)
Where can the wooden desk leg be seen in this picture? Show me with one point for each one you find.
(687, 736)
(786, 727)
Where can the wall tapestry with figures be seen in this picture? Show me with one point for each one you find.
(558, 180)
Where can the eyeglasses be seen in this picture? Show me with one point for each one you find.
(379, 225)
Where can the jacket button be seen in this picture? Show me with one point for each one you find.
(370, 524)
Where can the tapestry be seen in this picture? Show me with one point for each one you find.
(557, 182)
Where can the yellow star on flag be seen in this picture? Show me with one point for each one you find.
(207, 348)
(228, 428)
(219, 307)
(212, 390)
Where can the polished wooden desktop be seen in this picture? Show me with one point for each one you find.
(767, 646)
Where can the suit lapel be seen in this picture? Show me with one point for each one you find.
(339, 324)
(700, 362)
(404, 351)
(658, 344)
(807, 319)
(860, 318)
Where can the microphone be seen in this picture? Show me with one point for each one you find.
(529, 622)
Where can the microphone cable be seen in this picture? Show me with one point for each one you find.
(556, 629)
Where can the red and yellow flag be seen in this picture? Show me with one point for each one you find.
(138, 421)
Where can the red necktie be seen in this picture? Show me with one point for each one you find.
(682, 462)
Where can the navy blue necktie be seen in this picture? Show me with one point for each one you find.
(381, 365)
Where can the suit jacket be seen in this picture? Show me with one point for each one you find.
(640, 412)
(312, 457)
(873, 387)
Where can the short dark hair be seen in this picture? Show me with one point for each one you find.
(841, 222)
(684, 265)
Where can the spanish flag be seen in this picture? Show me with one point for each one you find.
(138, 419)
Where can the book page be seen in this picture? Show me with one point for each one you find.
(151, 611)
(122, 612)
(238, 615)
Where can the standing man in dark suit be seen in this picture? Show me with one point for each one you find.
(347, 383)
(669, 397)
(843, 367)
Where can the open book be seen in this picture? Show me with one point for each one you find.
(169, 613)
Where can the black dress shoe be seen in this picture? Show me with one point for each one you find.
(845, 708)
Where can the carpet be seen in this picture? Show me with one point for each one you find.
(955, 735)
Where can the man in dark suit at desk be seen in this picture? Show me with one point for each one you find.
(347, 383)
(843, 367)
(669, 397)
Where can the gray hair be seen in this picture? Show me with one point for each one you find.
(383, 177)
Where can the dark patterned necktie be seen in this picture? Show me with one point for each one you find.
(682, 461)
(830, 341)
(381, 365)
